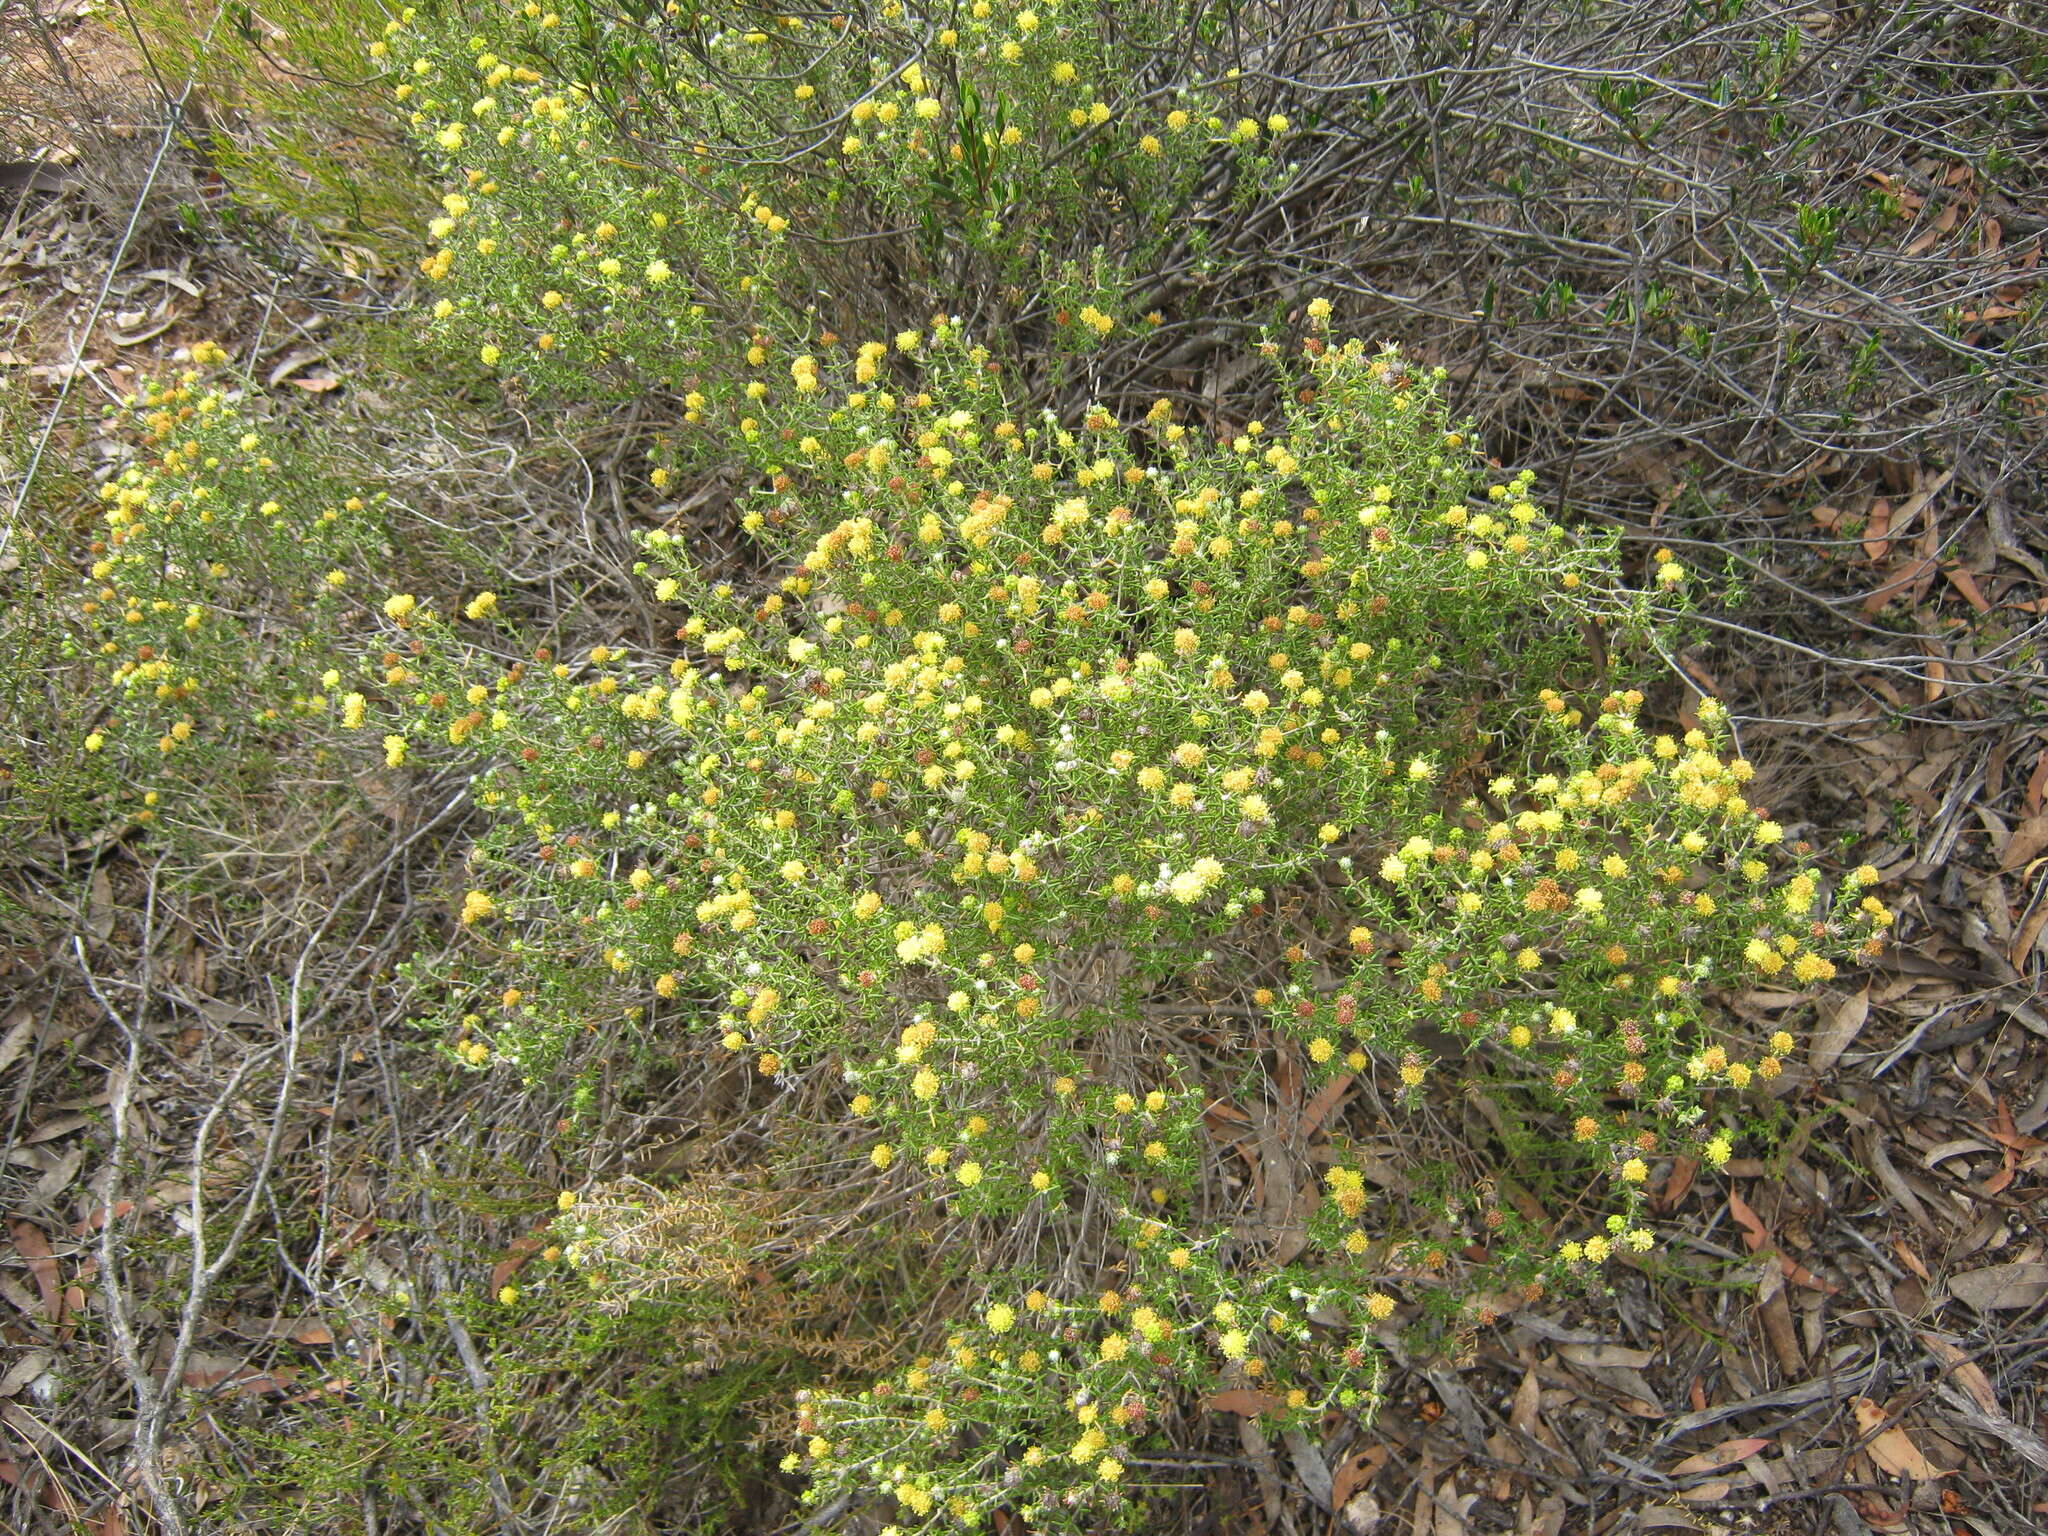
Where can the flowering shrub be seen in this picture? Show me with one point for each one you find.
(1059, 786)
(1021, 682)
(957, 821)
(1044, 1404)
(642, 196)
(946, 820)
(217, 591)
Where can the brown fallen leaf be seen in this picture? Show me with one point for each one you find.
(1774, 1311)
(1246, 1401)
(1911, 1259)
(1890, 1446)
(207, 1371)
(1453, 1509)
(1616, 1356)
(1758, 1237)
(1678, 1185)
(1222, 1112)
(516, 1258)
(1966, 584)
(1326, 1098)
(300, 1330)
(1666, 1517)
(1754, 1233)
(30, 1365)
(1903, 578)
(21, 1023)
(1875, 545)
(96, 1218)
(1528, 1404)
(1964, 1371)
(1726, 1454)
(35, 1249)
(293, 362)
(2024, 841)
(1355, 1473)
(1840, 1024)
(2023, 941)
(2001, 1287)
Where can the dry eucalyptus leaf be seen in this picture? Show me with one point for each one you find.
(1726, 1454)
(1617, 1356)
(1839, 1027)
(1892, 1448)
(25, 1370)
(2001, 1287)
(1242, 1400)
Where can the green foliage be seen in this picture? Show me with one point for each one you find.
(1112, 689)
(1036, 721)
(44, 777)
(292, 121)
(598, 1411)
(636, 197)
(214, 609)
